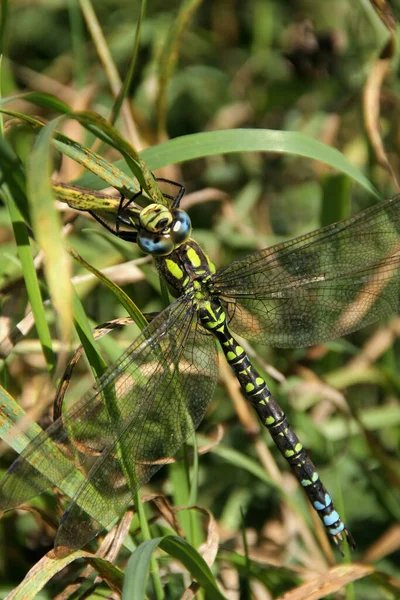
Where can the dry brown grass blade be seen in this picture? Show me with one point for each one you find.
(381, 340)
(166, 510)
(388, 542)
(373, 86)
(110, 68)
(328, 583)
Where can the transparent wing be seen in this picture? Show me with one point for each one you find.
(318, 286)
(128, 425)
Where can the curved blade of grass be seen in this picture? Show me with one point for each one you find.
(102, 129)
(136, 570)
(39, 99)
(89, 119)
(209, 143)
(101, 168)
(85, 199)
(46, 224)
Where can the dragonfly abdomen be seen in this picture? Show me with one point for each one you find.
(255, 390)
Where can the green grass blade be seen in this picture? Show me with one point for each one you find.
(86, 338)
(13, 174)
(136, 573)
(123, 298)
(151, 559)
(336, 200)
(11, 417)
(210, 143)
(195, 564)
(136, 570)
(10, 414)
(31, 281)
(46, 224)
(100, 167)
(102, 170)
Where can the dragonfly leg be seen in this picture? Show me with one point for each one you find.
(124, 218)
(176, 199)
(127, 236)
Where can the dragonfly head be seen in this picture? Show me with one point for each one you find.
(161, 229)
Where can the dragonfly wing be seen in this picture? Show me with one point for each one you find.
(130, 423)
(318, 286)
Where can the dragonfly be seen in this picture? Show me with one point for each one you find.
(298, 293)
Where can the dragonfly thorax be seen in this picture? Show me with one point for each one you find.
(162, 230)
(188, 270)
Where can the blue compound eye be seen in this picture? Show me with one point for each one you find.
(181, 226)
(156, 244)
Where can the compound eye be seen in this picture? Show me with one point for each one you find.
(181, 226)
(155, 244)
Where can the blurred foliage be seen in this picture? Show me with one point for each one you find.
(283, 65)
